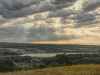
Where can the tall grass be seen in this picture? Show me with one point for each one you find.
(91, 69)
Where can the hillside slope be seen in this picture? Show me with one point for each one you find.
(65, 70)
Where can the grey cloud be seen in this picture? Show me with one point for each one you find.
(14, 8)
(21, 8)
(60, 13)
(92, 7)
(43, 33)
(12, 34)
(85, 19)
(18, 8)
(20, 34)
(69, 11)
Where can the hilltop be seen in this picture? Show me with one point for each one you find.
(64, 70)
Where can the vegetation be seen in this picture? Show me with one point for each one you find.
(30, 63)
(26, 62)
(91, 69)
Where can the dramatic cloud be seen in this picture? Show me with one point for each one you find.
(18, 8)
(36, 20)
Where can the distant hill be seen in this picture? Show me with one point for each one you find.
(11, 44)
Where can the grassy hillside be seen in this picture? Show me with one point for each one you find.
(91, 69)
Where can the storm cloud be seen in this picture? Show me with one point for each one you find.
(19, 8)
(29, 20)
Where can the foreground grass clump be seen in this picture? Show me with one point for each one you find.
(90, 69)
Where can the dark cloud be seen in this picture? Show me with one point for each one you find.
(19, 8)
(83, 19)
(15, 9)
(92, 7)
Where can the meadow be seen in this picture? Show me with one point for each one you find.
(83, 69)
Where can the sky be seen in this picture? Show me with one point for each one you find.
(50, 21)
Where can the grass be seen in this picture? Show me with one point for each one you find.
(91, 69)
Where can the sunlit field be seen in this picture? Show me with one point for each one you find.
(91, 69)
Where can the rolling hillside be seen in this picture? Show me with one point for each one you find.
(64, 70)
